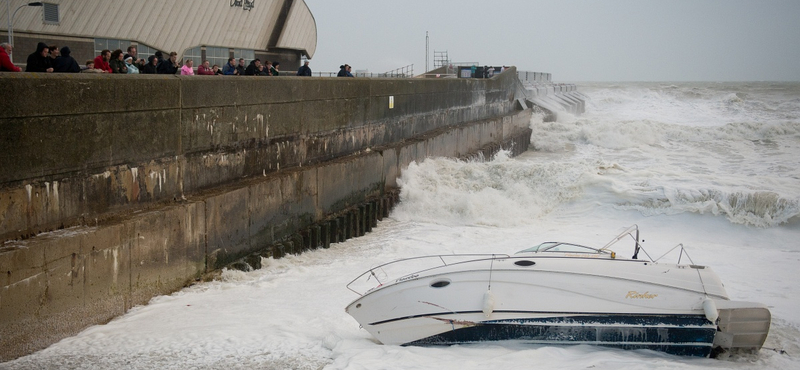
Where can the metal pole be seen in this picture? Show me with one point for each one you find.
(8, 13)
(426, 51)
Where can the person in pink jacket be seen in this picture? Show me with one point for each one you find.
(187, 70)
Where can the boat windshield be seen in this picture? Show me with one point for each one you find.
(561, 247)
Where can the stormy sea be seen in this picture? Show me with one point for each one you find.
(715, 166)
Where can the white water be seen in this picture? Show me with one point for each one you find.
(714, 166)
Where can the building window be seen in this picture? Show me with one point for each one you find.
(110, 44)
(50, 13)
(195, 54)
(217, 55)
(144, 51)
(248, 55)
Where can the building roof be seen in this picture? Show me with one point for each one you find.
(180, 25)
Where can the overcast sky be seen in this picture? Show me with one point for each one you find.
(575, 40)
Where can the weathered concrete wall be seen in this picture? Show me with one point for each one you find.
(145, 196)
(104, 145)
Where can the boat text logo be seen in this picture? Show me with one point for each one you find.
(632, 294)
(409, 277)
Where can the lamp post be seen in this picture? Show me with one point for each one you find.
(11, 19)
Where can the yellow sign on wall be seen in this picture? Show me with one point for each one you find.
(391, 102)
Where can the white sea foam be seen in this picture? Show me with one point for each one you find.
(713, 166)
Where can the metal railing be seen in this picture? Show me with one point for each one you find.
(402, 72)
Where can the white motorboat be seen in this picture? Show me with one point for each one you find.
(557, 293)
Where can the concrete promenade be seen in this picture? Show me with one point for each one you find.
(115, 189)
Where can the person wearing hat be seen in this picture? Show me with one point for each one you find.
(275, 70)
(132, 68)
(65, 63)
(304, 70)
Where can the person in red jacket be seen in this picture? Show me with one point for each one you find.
(204, 69)
(5, 60)
(101, 61)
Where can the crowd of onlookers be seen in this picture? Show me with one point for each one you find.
(49, 58)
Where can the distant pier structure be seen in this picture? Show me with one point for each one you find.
(536, 90)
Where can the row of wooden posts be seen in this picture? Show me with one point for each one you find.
(350, 223)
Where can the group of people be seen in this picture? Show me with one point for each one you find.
(49, 58)
(345, 70)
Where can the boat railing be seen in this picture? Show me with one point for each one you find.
(680, 256)
(633, 232)
(407, 268)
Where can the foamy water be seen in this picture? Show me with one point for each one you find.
(713, 166)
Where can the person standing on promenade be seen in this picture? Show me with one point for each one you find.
(39, 61)
(139, 63)
(5, 59)
(132, 69)
(117, 63)
(187, 70)
(240, 68)
(304, 70)
(230, 68)
(205, 70)
(65, 63)
(169, 66)
(101, 61)
(151, 67)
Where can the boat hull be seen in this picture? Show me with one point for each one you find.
(682, 335)
(623, 304)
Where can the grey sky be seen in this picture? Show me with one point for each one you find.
(630, 40)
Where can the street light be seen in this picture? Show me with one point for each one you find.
(11, 19)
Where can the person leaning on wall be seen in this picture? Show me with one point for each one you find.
(39, 61)
(304, 70)
(65, 63)
(5, 59)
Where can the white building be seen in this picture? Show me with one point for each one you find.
(214, 30)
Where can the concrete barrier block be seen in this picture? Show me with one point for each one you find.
(85, 91)
(391, 168)
(284, 119)
(265, 211)
(106, 273)
(227, 224)
(300, 191)
(346, 183)
(168, 250)
(323, 115)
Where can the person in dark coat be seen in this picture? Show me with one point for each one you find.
(39, 61)
(342, 71)
(65, 63)
(169, 66)
(151, 67)
(240, 68)
(304, 70)
(252, 68)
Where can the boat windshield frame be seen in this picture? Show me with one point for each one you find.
(560, 247)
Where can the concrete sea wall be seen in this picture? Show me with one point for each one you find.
(115, 189)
